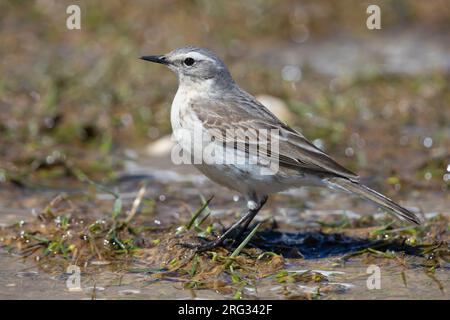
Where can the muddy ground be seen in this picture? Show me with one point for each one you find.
(86, 181)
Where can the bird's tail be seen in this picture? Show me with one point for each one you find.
(373, 196)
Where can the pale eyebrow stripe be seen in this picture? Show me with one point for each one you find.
(195, 56)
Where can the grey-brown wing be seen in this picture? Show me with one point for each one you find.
(246, 114)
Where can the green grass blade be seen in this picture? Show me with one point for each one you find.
(117, 208)
(198, 213)
(242, 245)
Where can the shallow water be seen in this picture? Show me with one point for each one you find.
(22, 280)
(297, 237)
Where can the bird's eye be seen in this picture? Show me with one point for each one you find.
(189, 61)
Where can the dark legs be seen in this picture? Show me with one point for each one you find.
(244, 220)
(261, 203)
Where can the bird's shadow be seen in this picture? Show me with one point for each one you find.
(314, 245)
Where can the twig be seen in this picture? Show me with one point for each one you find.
(136, 204)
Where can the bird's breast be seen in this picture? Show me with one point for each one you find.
(186, 127)
(181, 115)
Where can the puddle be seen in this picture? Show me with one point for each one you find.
(319, 261)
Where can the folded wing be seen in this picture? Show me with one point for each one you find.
(244, 115)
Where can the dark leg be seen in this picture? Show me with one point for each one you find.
(247, 218)
(250, 218)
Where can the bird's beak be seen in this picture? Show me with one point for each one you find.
(157, 59)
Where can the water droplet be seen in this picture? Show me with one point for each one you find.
(236, 198)
(349, 152)
(448, 167)
(428, 176)
(291, 73)
(162, 198)
(428, 142)
(446, 177)
(50, 159)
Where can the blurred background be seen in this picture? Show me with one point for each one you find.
(377, 100)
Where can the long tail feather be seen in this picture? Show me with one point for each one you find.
(373, 196)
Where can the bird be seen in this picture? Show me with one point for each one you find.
(209, 101)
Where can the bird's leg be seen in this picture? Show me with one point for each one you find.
(261, 203)
(247, 218)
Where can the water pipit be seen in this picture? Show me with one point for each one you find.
(267, 156)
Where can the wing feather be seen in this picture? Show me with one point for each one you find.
(244, 112)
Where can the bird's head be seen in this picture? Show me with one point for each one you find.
(193, 64)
